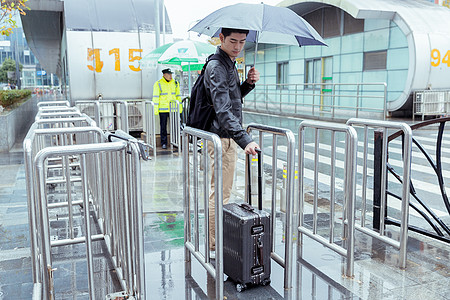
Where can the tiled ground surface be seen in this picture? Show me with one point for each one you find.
(317, 274)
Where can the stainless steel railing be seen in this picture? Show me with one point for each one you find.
(104, 178)
(136, 114)
(110, 115)
(36, 140)
(192, 202)
(320, 99)
(349, 190)
(53, 103)
(91, 108)
(51, 109)
(175, 130)
(150, 126)
(275, 132)
(57, 114)
(65, 122)
(407, 148)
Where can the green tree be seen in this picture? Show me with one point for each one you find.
(9, 9)
(8, 65)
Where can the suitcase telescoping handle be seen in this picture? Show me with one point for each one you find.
(249, 178)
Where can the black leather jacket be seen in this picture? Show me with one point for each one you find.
(222, 85)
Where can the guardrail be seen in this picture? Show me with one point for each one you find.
(55, 114)
(65, 122)
(104, 179)
(175, 130)
(136, 114)
(380, 201)
(440, 230)
(149, 126)
(51, 109)
(191, 178)
(36, 140)
(91, 108)
(320, 99)
(276, 132)
(349, 189)
(53, 103)
(110, 115)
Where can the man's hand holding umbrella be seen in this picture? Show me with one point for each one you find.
(252, 76)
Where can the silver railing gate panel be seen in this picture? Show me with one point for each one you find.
(175, 132)
(407, 150)
(136, 114)
(55, 114)
(112, 114)
(190, 177)
(149, 126)
(50, 109)
(36, 140)
(56, 150)
(90, 108)
(287, 262)
(53, 103)
(122, 206)
(349, 186)
(323, 98)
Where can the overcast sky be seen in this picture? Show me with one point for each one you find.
(183, 14)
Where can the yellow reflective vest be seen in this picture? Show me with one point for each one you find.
(163, 93)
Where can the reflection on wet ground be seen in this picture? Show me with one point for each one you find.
(317, 274)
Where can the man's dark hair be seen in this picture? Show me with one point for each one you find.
(227, 31)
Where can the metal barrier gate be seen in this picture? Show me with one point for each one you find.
(93, 170)
(120, 207)
(175, 135)
(50, 109)
(53, 103)
(136, 114)
(349, 187)
(56, 114)
(65, 122)
(110, 115)
(286, 263)
(191, 198)
(90, 108)
(149, 126)
(36, 140)
(407, 149)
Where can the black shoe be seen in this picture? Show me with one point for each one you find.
(164, 146)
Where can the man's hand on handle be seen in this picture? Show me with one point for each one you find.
(250, 148)
(252, 76)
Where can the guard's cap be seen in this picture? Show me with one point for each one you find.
(168, 70)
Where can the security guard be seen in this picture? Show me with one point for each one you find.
(165, 90)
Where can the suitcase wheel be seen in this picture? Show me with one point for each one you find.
(240, 287)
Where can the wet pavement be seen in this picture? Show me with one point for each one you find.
(317, 275)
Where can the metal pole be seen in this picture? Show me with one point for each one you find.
(163, 21)
(157, 24)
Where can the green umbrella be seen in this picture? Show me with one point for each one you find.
(193, 67)
(191, 55)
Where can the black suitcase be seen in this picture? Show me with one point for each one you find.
(247, 242)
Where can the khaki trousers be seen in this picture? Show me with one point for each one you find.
(229, 158)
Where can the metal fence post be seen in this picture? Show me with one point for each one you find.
(377, 167)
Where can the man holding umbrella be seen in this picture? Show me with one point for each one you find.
(224, 89)
(165, 90)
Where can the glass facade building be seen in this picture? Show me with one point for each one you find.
(379, 41)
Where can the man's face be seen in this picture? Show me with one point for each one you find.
(233, 44)
(167, 76)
